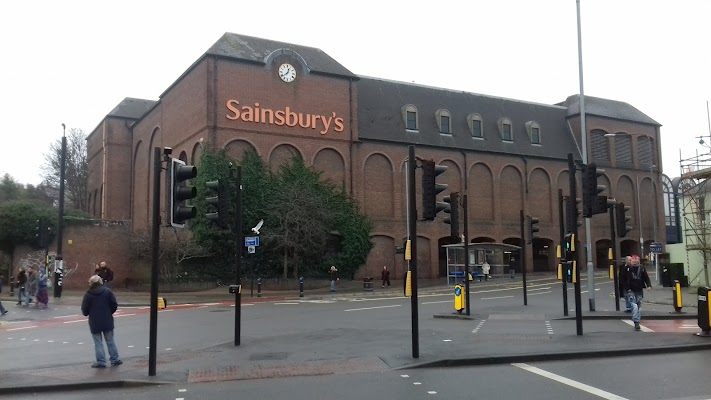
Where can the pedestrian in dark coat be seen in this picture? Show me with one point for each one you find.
(99, 304)
(622, 282)
(636, 280)
(3, 311)
(385, 277)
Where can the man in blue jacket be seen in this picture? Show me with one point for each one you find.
(99, 304)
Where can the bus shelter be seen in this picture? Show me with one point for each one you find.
(498, 255)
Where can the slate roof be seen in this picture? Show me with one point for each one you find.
(380, 118)
(132, 108)
(607, 108)
(253, 49)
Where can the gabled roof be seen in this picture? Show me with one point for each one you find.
(131, 108)
(253, 49)
(379, 116)
(607, 108)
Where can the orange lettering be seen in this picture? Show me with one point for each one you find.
(339, 125)
(279, 117)
(247, 114)
(231, 105)
(291, 118)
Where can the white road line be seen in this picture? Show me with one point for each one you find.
(446, 340)
(569, 382)
(67, 316)
(417, 383)
(123, 315)
(431, 392)
(644, 328)
(540, 288)
(437, 302)
(404, 376)
(71, 322)
(494, 298)
(130, 346)
(533, 294)
(478, 326)
(372, 308)
(166, 310)
(210, 304)
(182, 390)
(24, 327)
(286, 304)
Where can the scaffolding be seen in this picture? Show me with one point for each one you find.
(695, 203)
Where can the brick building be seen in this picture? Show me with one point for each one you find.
(283, 99)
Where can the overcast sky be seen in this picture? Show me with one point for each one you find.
(72, 62)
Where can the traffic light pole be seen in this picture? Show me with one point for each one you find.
(412, 235)
(562, 251)
(238, 254)
(523, 257)
(615, 252)
(155, 254)
(58, 259)
(576, 258)
(466, 252)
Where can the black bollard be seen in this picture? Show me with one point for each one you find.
(301, 286)
(259, 287)
(704, 316)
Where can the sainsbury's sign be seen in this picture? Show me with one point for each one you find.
(283, 117)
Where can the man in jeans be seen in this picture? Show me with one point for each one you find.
(99, 304)
(636, 279)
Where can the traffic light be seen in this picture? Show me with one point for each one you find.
(453, 210)
(181, 192)
(532, 228)
(220, 202)
(572, 216)
(430, 189)
(621, 219)
(591, 190)
(570, 261)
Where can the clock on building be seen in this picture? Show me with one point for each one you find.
(287, 72)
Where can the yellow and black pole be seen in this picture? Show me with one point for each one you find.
(704, 316)
(676, 291)
(559, 253)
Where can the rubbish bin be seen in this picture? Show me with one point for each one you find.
(368, 284)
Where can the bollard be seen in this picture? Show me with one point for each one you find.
(704, 319)
(676, 293)
(459, 299)
(259, 287)
(301, 286)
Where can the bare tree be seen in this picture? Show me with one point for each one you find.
(76, 172)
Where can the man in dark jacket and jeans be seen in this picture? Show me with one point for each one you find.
(636, 279)
(99, 304)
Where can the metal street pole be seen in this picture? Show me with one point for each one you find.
(524, 259)
(564, 277)
(238, 256)
(465, 206)
(576, 258)
(613, 245)
(155, 254)
(59, 262)
(584, 139)
(412, 236)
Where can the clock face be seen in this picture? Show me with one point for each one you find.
(287, 72)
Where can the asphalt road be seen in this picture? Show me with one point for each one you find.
(670, 376)
(31, 338)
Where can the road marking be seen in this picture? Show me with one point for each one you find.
(166, 310)
(123, 315)
(494, 298)
(479, 326)
(24, 327)
(67, 316)
(169, 349)
(540, 288)
(446, 340)
(71, 322)
(549, 328)
(569, 382)
(182, 390)
(130, 346)
(65, 342)
(533, 294)
(404, 376)
(372, 308)
(436, 302)
(286, 304)
(644, 328)
(431, 392)
(417, 383)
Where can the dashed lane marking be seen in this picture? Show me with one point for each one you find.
(24, 327)
(494, 298)
(561, 379)
(533, 294)
(372, 308)
(478, 326)
(436, 302)
(549, 328)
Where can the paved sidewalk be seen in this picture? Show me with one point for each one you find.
(335, 351)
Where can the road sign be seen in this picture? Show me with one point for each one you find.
(655, 247)
(251, 241)
(251, 249)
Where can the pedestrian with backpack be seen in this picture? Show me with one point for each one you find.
(636, 280)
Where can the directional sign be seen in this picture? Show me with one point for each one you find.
(655, 247)
(251, 241)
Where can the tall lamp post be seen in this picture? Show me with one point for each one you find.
(58, 259)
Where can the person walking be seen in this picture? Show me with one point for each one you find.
(622, 281)
(385, 276)
(20, 283)
(512, 267)
(636, 279)
(42, 287)
(3, 311)
(485, 268)
(333, 275)
(99, 304)
(30, 286)
(106, 274)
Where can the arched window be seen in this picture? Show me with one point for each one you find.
(444, 121)
(533, 129)
(600, 147)
(505, 129)
(409, 117)
(623, 150)
(476, 127)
